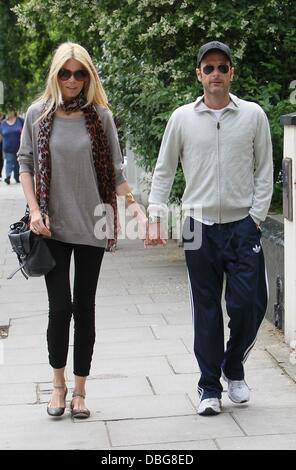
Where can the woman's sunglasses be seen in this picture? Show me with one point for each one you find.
(79, 75)
(223, 68)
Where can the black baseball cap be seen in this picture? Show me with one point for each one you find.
(213, 46)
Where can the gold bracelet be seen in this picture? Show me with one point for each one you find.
(129, 198)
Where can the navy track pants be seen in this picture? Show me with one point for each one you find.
(233, 249)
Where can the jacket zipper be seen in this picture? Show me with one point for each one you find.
(218, 158)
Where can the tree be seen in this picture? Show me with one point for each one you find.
(12, 74)
(146, 53)
(150, 66)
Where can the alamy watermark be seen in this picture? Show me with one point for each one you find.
(174, 223)
(293, 93)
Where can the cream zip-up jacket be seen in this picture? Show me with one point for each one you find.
(227, 163)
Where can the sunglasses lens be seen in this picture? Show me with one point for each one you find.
(80, 75)
(208, 69)
(64, 74)
(223, 68)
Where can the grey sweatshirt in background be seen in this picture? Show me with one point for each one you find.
(227, 164)
(74, 191)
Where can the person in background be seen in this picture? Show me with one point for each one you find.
(10, 134)
(2, 117)
(70, 144)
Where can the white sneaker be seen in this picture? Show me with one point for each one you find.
(209, 407)
(238, 391)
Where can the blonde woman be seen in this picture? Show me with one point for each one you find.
(70, 144)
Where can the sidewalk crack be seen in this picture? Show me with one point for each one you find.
(150, 385)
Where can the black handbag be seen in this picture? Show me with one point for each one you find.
(33, 254)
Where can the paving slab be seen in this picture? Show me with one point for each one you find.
(188, 445)
(25, 356)
(180, 383)
(174, 331)
(166, 308)
(136, 407)
(278, 442)
(106, 387)
(138, 349)
(131, 366)
(178, 318)
(15, 394)
(29, 427)
(124, 335)
(167, 289)
(25, 341)
(142, 390)
(260, 400)
(163, 430)
(270, 379)
(20, 309)
(129, 321)
(28, 297)
(19, 329)
(183, 363)
(123, 300)
(280, 420)
(111, 292)
(24, 373)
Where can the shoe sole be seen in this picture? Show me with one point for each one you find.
(80, 414)
(58, 415)
(242, 401)
(209, 412)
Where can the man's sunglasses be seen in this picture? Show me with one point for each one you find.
(79, 75)
(223, 68)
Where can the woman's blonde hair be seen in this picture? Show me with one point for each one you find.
(94, 91)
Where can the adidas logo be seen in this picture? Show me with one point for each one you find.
(256, 248)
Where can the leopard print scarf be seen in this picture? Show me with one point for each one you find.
(101, 157)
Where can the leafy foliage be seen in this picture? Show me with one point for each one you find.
(12, 74)
(146, 53)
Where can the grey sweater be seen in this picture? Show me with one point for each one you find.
(227, 163)
(74, 191)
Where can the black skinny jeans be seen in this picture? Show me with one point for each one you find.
(88, 261)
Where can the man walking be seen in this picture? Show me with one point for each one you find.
(224, 146)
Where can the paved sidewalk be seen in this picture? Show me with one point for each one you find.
(144, 374)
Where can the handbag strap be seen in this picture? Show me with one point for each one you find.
(18, 269)
(21, 261)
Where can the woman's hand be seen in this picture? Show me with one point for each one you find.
(37, 225)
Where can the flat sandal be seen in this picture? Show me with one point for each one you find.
(83, 413)
(58, 411)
